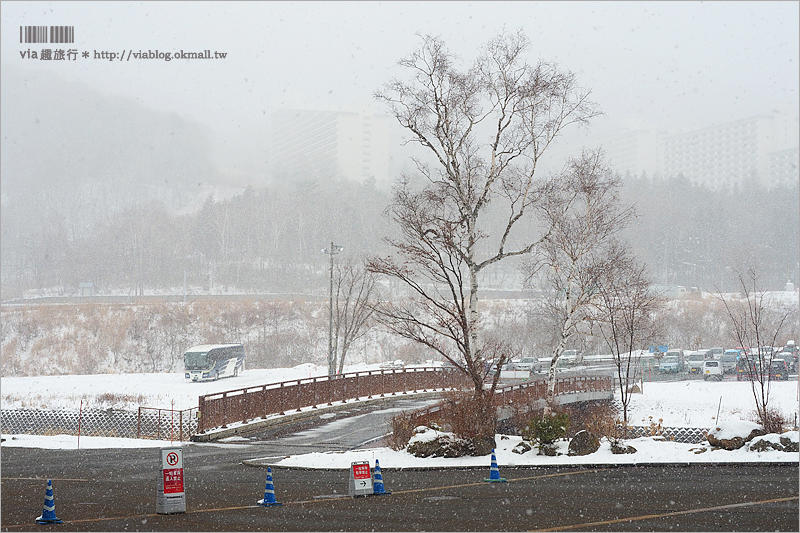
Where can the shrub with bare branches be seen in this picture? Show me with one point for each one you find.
(771, 419)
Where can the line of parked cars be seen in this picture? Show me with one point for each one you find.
(533, 364)
(780, 362)
(530, 364)
(714, 363)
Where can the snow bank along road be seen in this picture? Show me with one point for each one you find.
(115, 490)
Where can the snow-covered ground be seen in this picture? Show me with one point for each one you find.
(129, 391)
(692, 403)
(648, 450)
(678, 404)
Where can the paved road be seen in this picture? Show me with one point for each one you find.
(115, 490)
(361, 424)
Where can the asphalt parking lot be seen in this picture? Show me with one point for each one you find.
(115, 490)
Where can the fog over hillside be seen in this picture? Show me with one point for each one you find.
(145, 175)
(65, 139)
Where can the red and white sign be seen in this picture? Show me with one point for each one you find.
(361, 471)
(361, 480)
(172, 470)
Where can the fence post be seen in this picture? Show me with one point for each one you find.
(139, 424)
(298, 396)
(200, 414)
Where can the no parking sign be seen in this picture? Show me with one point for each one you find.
(171, 497)
(172, 470)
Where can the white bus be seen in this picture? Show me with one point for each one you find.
(209, 362)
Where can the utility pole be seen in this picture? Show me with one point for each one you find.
(333, 250)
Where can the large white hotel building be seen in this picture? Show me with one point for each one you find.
(355, 145)
(349, 145)
(764, 148)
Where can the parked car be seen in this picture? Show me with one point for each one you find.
(791, 347)
(704, 353)
(765, 353)
(746, 369)
(531, 364)
(712, 369)
(790, 352)
(671, 364)
(728, 361)
(573, 355)
(564, 362)
(791, 360)
(714, 353)
(743, 370)
(779, 370)
(695, 362)
(676, 352)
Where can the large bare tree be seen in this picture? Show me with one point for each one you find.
(756, 324)
(584, 215)
(353, 308)
(625, 314)
(486, 128)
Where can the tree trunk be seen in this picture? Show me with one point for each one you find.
(557, 351)
(472, 319)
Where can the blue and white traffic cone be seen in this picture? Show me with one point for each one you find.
(49, 511)
(269, 492)
(377, 484)
(494, 472)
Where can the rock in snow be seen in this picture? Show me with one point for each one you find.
(733, 434)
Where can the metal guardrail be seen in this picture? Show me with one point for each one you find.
(246, 404)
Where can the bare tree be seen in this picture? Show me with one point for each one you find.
(756, 325)
(625, 316)
(486, 129)
(353, 303)
(584, 215)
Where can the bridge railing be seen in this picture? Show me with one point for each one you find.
(245, 404)
(523, 393)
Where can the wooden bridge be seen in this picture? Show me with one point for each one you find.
(251, 404)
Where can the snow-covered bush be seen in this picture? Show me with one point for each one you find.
(546, 430)
(428, 442)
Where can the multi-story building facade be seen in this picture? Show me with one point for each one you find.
(329, 145)
(730, 153)
(763, 148)
(783, 166)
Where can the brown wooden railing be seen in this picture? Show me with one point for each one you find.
(524, 392)
(564, 385)
(246, 404)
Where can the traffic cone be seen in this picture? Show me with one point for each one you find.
(494, 472)
(49, 511)
(269, 492)
(377, 484)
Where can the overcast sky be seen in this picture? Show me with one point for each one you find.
(671, 65)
